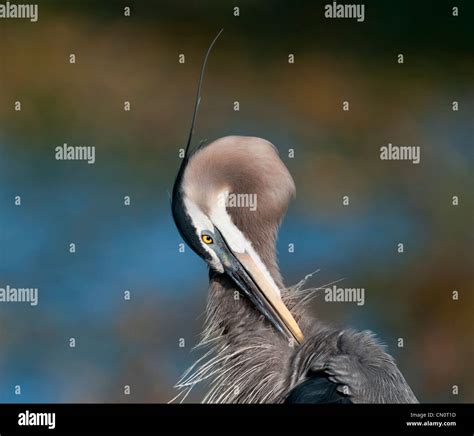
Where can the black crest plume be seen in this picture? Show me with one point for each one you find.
(179, 215)
(198, 96)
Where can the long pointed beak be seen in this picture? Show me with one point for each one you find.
(262, 291)
(270, 297)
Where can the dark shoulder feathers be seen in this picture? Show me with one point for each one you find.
(317, 389)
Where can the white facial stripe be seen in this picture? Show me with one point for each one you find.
(233, 236)
(201, 222)
(236, 240)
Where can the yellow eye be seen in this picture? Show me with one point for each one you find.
(207, 239)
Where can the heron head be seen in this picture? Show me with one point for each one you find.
(228, 200)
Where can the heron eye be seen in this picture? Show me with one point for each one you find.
(207, 239)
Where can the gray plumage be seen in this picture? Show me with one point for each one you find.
(261, 345)
(246, 359)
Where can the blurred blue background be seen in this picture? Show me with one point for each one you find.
(299, 106)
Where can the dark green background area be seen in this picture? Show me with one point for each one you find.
(421, 24)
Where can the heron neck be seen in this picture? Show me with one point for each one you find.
(249, 354)
(229, 311)
(227, 306)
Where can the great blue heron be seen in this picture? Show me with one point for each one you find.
(264, 346)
